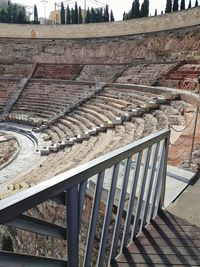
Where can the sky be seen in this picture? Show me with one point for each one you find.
(118, 6)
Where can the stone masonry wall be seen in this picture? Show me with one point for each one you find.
(172, 45)
(168, 21)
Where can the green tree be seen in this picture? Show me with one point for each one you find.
(156, 12)
(135, 12)
(76, 13)
(106, 13)
(87, 18)
(21, 18)
(92, 15)
(196, 3)
(112, 16)
(35, 14)
(145, 9)
(182, 4)
(190, 4)
(3, 15)
(62, 14)
(175, 5)
(168, 8)
(72, 16)
(142, 11)
(80, 17)
(68, 18)
(101, 14)
(97, 15)
(13, 13)
(124, 16)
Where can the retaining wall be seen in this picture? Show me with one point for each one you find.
(168, 21)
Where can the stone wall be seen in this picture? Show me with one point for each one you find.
(168, 21)
(172, 45)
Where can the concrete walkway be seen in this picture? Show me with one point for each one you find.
(187, 206)
(26, 158)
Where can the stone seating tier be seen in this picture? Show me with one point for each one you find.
(46, 99)
(6, 89)
(95, 117)
(184, 77)
(146, 74)
(57, 71)
(18, 71)
(101, 73)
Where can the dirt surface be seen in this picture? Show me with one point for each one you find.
(181, 143)
(8, 147)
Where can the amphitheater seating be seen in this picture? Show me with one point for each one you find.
(146, 74)
(98, 144)
(184, 77)
(107, 109)
(45, 99)
(7, 87)
(17, 71)
(57, 71)
(101, 73)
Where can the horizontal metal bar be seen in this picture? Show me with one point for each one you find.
(38, 226)
(22, 201)
(10, 259)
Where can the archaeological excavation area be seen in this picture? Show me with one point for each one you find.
(66, 102)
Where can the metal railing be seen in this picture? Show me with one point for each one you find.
(133, 178)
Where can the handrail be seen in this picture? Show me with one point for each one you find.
(140, 168)
(16, 204)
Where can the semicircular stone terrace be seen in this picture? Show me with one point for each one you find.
(78, 95)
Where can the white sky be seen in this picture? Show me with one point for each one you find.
(118, 6)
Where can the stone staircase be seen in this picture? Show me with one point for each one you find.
(15, 95)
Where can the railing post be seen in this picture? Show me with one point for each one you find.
(162, 196)
(73, 223)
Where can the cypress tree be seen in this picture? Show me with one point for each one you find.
(146, 8)
(80, 17)
(196, 3)
(124, 16)
(3, 15)
(175, 5)
(92, 15)
(21, 18)
(35, 14)
(190, 4)
(106, 14)
(168, 8)
(156, 12)
(87, 18)
(68, 18)
(142, 12)
(111, 16)
(98, 15)
(182, 4)
(76, 13)
(62, 14)
(136, 9)
(101, 14)
(72, 16)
